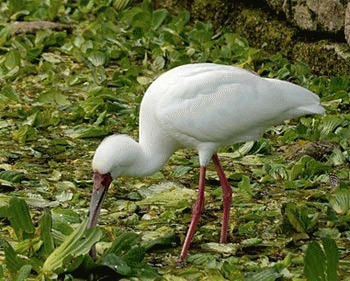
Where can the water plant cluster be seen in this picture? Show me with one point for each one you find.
(63, 87)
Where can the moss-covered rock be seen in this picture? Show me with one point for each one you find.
(271, 31)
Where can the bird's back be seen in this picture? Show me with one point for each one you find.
(215, 104)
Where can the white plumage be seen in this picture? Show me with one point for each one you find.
(202, 106)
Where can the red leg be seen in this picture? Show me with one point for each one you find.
(196, 213)
(226, 196)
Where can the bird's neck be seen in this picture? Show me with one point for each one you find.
(152, 157)
(155, 149)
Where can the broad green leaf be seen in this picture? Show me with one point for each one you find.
(306, 167)
(315, 263)
(142, 21)
(124, 242)
(20, 218)
(90, 132)
(169, 195)
(4, 211)
(165, 240)
(23, 273)
(97, 58)
(7, 94)
(13, 263)
(45, 224)
(332, 257)
(12, 176)
(5, 34)
(134, 256)
(25, 133)
(180, 171)
(265, 275)
(53, 98)
(330, 122)
(28, 246)
(302, 218)
(158, 17)
(227, 248)
(79, 242)
(121, 4)
(340, 201)
(12, 59)
(244, 186)
(322, 264)
(338, 83)
(118, 264)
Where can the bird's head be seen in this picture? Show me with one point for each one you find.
(113, 157)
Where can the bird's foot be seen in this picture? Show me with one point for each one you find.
(181, 262)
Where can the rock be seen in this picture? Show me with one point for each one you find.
(347, 24)
(303, 18)
(312, 15)
(35, 26)
(307, 31)
(331, 15)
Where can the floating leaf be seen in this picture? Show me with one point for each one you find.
(83, 133)
(271, 274)
(220, 248)
(53, 98)
(169, 195)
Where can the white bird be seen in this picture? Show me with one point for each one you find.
(202, 106)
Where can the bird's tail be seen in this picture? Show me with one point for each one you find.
(303, 100)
